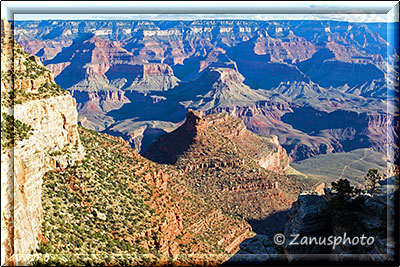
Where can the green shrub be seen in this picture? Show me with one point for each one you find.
(371, 180)
(13, 130)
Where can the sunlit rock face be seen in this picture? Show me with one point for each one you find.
(53, 142)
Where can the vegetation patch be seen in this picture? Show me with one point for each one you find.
(22, 75)
(98, 206)
(13, 130)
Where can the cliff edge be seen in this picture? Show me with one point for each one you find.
(39, 134)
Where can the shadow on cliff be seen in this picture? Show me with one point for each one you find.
(170, 146)
(252, 250)
(271, 224)
(166, 150)
(145, 107)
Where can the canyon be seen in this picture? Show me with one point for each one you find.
(64, 181)
(51, 166)
(173, 140)
(137, 79)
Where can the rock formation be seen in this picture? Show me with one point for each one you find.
(52, 143)
(308, 223)
(307, 218)
(256, 250)
(233, 168)
(266, 151)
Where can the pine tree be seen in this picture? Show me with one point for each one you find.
(372, 179)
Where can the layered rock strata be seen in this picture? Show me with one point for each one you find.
(51, 142)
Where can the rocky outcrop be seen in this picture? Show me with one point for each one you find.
(266, 151)
(51, 143)
(310, 231)
(305, 218)
(224, 162)
(257, 249)
(377, 220)
(54, 144)
(166, 151)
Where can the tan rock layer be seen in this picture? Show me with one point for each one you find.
(54, 144)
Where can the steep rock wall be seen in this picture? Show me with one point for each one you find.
(54, 144)
(39, 133)
(307, 218)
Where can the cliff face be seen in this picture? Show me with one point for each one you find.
(54, 144)
(306, 218)
(374, 219)
(51, 142)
